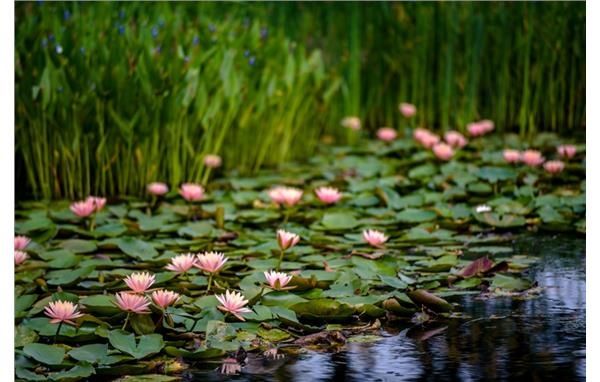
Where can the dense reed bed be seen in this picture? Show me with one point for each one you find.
(112, 96)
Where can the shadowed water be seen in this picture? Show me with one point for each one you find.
(505, 339)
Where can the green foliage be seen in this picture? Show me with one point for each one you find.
(112, 96)
(440, 245)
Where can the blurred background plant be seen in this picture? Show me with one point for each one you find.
(111, 96)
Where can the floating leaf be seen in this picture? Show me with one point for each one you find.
(283, 299)
(110, 230)
(136, 248)
(509, 283)
(68, 276)
(468, 283)
(92, 353)
(273, 335)
(394, 282)
(47, 354)
(322, 310)
(79, 246)
(100, 304)
(196, 230)
(201, 353)
(502, 221)
(339, 221)
(413, 215)
(494, 174)
(24, 302)
(125, 342)
(142, 324)
(75, 373)
(479, 266)
(24, 336)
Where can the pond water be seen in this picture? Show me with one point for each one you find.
(503, 339)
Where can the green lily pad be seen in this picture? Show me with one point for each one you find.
(125, 342)
(509, 283)
(502, 221)
(339, 221)
(76, 373)
(196, 230)
(79, 246)
(136, 248)
(100, 304)
(201, 353)
(46, 354)
(92, 353)
(322, 310)
(413, 215)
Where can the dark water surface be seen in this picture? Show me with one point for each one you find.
(540, 339)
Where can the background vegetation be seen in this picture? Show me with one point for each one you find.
(110, 96)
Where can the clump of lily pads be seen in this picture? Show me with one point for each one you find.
(386, 233)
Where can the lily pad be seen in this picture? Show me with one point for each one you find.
(46, 354)
(126, 342)
(322, 310)
(339, 221)
(137, 248)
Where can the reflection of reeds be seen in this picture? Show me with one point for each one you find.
(112, 96)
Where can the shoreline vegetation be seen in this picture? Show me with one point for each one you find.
(112, 96)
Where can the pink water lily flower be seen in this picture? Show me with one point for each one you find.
(374, 237)
(20, 257)
(288, 196)
(455, 139)
(164, 298)
(233, 302)
(21, 242)
(277, 280)
(286, 239)
(407, 109)
(425, 137)
(479, 128)
(131, 302)
(328, 195)
(62, 311)
(83, 208)
(443, 151)
(351, 122)
(566, 151)
(157, 188)
(554, 166)
(182, 263)
(210, 262)
(212, 161)
(532, 158)
(97, 201)
(139, 282)
(276, 194)
(386, 134)
(511, 156)
(191, 192)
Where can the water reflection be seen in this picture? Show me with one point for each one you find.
(534, 340)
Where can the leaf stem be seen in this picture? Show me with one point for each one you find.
(57, 331)
(280, 259)
(126, 320)
(92, 222)
(210, 278)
